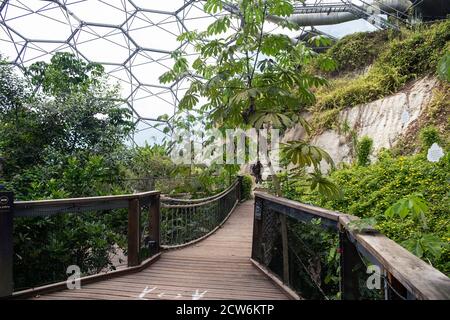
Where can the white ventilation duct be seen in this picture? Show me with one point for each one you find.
(341, 12)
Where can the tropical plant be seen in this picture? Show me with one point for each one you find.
(422, 243)
(444, 67)
(428, 136)
(363, 150)
(248, 76)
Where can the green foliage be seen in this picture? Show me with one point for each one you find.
(81, 116)
(357, 50)
(299, 183)
(302, 154)
(150, 161)
(65, 141)
(370, 190)
(323, 120)
(314, 260)
(65, 74)
(444, 67)
(412, 205)
(247, 184)
(363, 150)
(426, 245)
(255, 74)
(250, 77)
(406, 57)
(14, 92)
(45, 247)
(324, 185)
(422, 244)
(428, 136)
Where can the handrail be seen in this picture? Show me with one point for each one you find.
(41, 208)
(21, 204)
(167, 199)
(404, 271)
(185, 203)
(185, 222)
(26, 208)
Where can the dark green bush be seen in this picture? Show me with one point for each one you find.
(413, 54)
(358, 50)
(428, 136)
(363, 150)
(247, 184)
(369, 191)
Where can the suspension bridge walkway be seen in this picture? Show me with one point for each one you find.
(225, 247)
(217, 267)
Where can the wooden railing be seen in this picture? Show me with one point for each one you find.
(45, 208)
(198, 218)
(186, 221)
(404, 275)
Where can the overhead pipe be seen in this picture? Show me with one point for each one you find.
(340, 12)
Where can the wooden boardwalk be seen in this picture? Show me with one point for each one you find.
(215, 268)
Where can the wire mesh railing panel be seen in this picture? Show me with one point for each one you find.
(319, 254)
(89, 243)
(313, 259)
(311, 267)
(183, 221)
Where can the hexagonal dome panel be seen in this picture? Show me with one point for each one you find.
(133, 39)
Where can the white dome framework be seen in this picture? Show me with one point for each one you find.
(132, 39)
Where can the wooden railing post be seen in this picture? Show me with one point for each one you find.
(155, 213)
(6, 243)
(349, 260)
(134, 239)
(257, 228)
(239, 188)
(285, 247)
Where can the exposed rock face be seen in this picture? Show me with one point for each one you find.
(383, 120)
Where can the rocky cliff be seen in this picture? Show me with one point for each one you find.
(383, 120)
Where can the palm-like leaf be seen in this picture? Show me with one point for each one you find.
(325, 186)
(303, 154)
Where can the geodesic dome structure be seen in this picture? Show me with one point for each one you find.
(132, 39)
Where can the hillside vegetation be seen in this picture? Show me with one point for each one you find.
(372, 66)
(393, 60)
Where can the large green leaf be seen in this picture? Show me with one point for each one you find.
(444, 67)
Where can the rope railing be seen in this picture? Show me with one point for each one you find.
(169, 200)
(185, 221)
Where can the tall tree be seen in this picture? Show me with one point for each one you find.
(249, 76)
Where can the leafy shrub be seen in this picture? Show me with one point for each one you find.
(358, 50)
(247, 184)
(363, 150)
(370, 190)
(444, 66)
(412, 54)
(428, 136)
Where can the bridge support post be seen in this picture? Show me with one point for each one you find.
(284, 240)
(349, 261)
(134, 239)
(239, 188)
(6, 243)
(257, 229)
(155, 221)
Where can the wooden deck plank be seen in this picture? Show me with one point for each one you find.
(217, 267)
